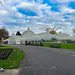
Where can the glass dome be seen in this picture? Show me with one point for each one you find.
(28, 32)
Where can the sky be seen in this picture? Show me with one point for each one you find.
(18, 15)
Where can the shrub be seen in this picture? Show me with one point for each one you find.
(55, 45)
(34, 44)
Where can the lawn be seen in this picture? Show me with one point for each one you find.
(14, 59)
(68, 46)
(63, 46)
(46, 44)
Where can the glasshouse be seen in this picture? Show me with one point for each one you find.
(32, 37)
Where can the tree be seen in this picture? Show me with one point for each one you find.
(5, 1)
(53, 39)
(51, 30)
(18, 33)
(4, 33)
(42, 40)
(73, 31)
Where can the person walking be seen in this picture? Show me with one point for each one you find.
(26, 43)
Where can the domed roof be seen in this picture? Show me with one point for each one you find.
(28, 32)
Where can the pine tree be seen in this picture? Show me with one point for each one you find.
(18, 33)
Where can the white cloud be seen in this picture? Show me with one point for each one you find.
(17, 14)
(13, 8)
(3, 12)
(9, 16)
(62, 1)
(65, 1)
(34, 7)
(66, 10)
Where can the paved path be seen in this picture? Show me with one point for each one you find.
(10, 72)
(46, 61)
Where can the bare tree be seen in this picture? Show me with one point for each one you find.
(4, 33)
(51, 30)
(5, 1)
(73, 31)
(0, 3)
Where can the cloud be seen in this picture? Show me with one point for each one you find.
(3, 12)
(66, 10)
(61, 1)
(18, 15)
(33, 7)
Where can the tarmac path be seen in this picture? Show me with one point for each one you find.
(46, 61)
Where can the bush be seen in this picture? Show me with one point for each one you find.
(41, 44)
(34, 44)
(2, 46)
(55, 45)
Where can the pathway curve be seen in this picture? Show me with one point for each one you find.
(46, 61)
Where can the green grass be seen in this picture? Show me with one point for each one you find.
(46, 44)
(68, 46)
(63, 46)
(13, 60)
(22, 44)
(5, 47)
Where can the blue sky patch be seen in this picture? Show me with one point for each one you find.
(54, 6)
(72, 5)
(27, 12)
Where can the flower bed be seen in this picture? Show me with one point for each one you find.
(14, 57)
(4, 53)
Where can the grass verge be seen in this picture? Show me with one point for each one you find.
(13, 60)
(63, 46)
(68, 46)
(46, 44)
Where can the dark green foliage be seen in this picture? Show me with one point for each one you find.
(42, 40)
(55, 45)
(53, 39)
(41, 44)
(18, 33)
(68, 41)
(2, 46)
(34, 44)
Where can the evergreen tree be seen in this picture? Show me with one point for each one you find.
(18, 33)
